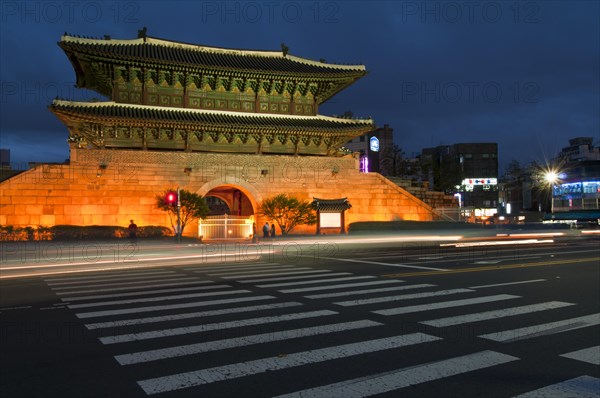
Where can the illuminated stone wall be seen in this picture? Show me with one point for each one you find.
(104, 187)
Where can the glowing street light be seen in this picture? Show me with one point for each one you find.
(552, 177)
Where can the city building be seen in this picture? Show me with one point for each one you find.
(372, 148)
(238, 125)
(4, 157)
(7, 168)
(470, 172)
(576, 179)
(522, 197)
(580, 149)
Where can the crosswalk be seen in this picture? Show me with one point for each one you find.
(267, 318)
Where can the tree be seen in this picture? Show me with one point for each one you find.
(514, 172)
(392, 160)
(192, 208)
(445, 173)
(288, 211)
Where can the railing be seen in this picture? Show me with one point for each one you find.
(225, 227)
(448, 213)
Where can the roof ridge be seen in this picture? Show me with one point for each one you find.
(149, 40)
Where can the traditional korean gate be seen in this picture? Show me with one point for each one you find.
(225, 227)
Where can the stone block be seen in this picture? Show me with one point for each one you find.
(17, 220)
(34, 209)
(27, 200)
(72, 210)
(47, 220)
(58, 200)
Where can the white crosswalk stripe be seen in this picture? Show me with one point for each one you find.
(444, 304)
(211, 268)
(142, 293)
(369, 291)
(135, 310)
(507, 284)
(112, 275)
(341, 286)
(279, 273)
(155, 334)
(227, 372)
(183, 282)
(350, 278)
(396, 379)
(589, 355)
(254, 272)
(141, 284)
(172, 352)
(188, 315)
(481, 316)
(544, 329)
(293, 278)
(580, 387)
(388, 299)
(112, 279)
(160, 298)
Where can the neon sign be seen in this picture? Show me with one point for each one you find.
(479, 181)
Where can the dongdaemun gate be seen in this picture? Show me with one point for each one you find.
(236, 126)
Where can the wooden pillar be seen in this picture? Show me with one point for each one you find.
(318, 222)
(343, 223)
(186, 96)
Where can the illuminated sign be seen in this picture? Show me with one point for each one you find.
(364, 164)
(479, 181)
(374, 144)
(330, 220)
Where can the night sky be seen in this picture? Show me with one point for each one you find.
(524, 74)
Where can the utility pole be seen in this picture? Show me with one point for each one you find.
(178, 217)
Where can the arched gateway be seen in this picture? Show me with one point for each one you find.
(233, 125)
(234, 211)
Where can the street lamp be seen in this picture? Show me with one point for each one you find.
(552, 178)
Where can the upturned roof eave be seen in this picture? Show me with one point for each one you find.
(241, 119)
(207, 49)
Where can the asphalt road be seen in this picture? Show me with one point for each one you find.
(499, 317)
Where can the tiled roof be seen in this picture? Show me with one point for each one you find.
(152, 49)
(331, 205)
(116, 110)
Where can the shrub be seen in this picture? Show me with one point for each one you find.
(399, 226)
(78, 232)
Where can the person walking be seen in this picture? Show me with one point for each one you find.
(254, 232)
(273, 230)
(266, 230)
(132, 229)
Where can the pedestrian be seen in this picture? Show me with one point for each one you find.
(254, 232)
(132, 230)
(273, 230)
(266, 230)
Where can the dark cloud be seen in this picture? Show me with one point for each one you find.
(523, 74)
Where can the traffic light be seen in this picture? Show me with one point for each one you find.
(171, 198)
